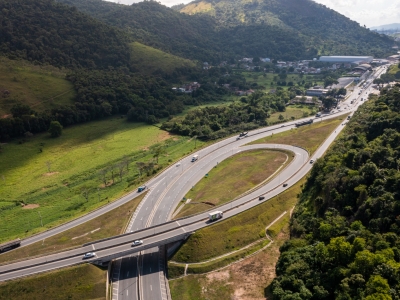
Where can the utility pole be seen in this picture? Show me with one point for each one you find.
(41, 221)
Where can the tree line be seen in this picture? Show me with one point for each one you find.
(345, 232)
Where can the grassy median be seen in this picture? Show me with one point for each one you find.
(232, 177)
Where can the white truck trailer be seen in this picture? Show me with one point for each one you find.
(195, 157)
(215, 215)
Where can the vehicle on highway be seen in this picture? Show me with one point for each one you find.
(215, 215)
(362, 99)
(348, 118)
(10, 245)
(89, 255)
(261, 198)
(238, 138)
(285, 185)
(178, 164)
(141, 188)
(195, 157)
(311, 161)
(243, 134)
(137, 243)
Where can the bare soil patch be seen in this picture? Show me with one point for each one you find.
(31, 206)
(50, 173)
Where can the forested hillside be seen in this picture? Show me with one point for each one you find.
(44, 31)
(321, 28)
(345, 233)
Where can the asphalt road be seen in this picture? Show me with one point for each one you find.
(166, 190)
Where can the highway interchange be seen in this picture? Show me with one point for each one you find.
(165, 192)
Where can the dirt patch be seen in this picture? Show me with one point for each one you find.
(50, 173)
(250, 277)
(219, 275)
(30, 206)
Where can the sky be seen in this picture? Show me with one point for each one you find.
(366, 12)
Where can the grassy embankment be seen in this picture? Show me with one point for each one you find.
(308, 137)
(394, 69)
(231, 178)
(54, 177)
(109, 224)
(247, 227)
(149, 60)
(74, 283)
(40, 87)
(246, 279)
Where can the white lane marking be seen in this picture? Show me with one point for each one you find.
(151, 287)
(127, 292)
(93, 247)
(147, 208)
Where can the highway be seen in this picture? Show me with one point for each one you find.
(166, 190)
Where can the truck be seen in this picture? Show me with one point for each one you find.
(10, 245)
(195, 157)
(215, 215)
(304, 123)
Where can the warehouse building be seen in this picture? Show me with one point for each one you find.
(346, 59)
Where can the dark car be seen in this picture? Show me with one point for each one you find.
(285, 185)
(261, 198)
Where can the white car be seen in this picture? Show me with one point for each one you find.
(89, 255)
(137, 243)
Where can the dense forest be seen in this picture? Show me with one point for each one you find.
(46, 32)
(345, 233)
(219, 121)
(277, 29)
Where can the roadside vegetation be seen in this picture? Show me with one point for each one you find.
(345, 233)
(244, 279)
(50, 181)
(309, 137)
(109, 224)
(74, 283)
(231, 178)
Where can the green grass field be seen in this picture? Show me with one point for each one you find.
(149, 60)
(41, 87)
(110, 224)
(75, 159)
(394, 69)
(308, 137)
(75, 283)
(270, 79)
(296, 111)
(231, 178)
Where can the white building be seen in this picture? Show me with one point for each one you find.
(346, 59)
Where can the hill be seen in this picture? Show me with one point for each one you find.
(318, 26)
(149, 60)
(40, 87)
(47, 32)
(345, 233)
(157, 26)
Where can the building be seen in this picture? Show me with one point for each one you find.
(346, 59)
(306, 100)
(316, 92)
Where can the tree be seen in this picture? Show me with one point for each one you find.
(328, 102)
(103, 176)
(157, 151)
(55, 129)
(121, 167)
(85, 192)
(281, 118)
